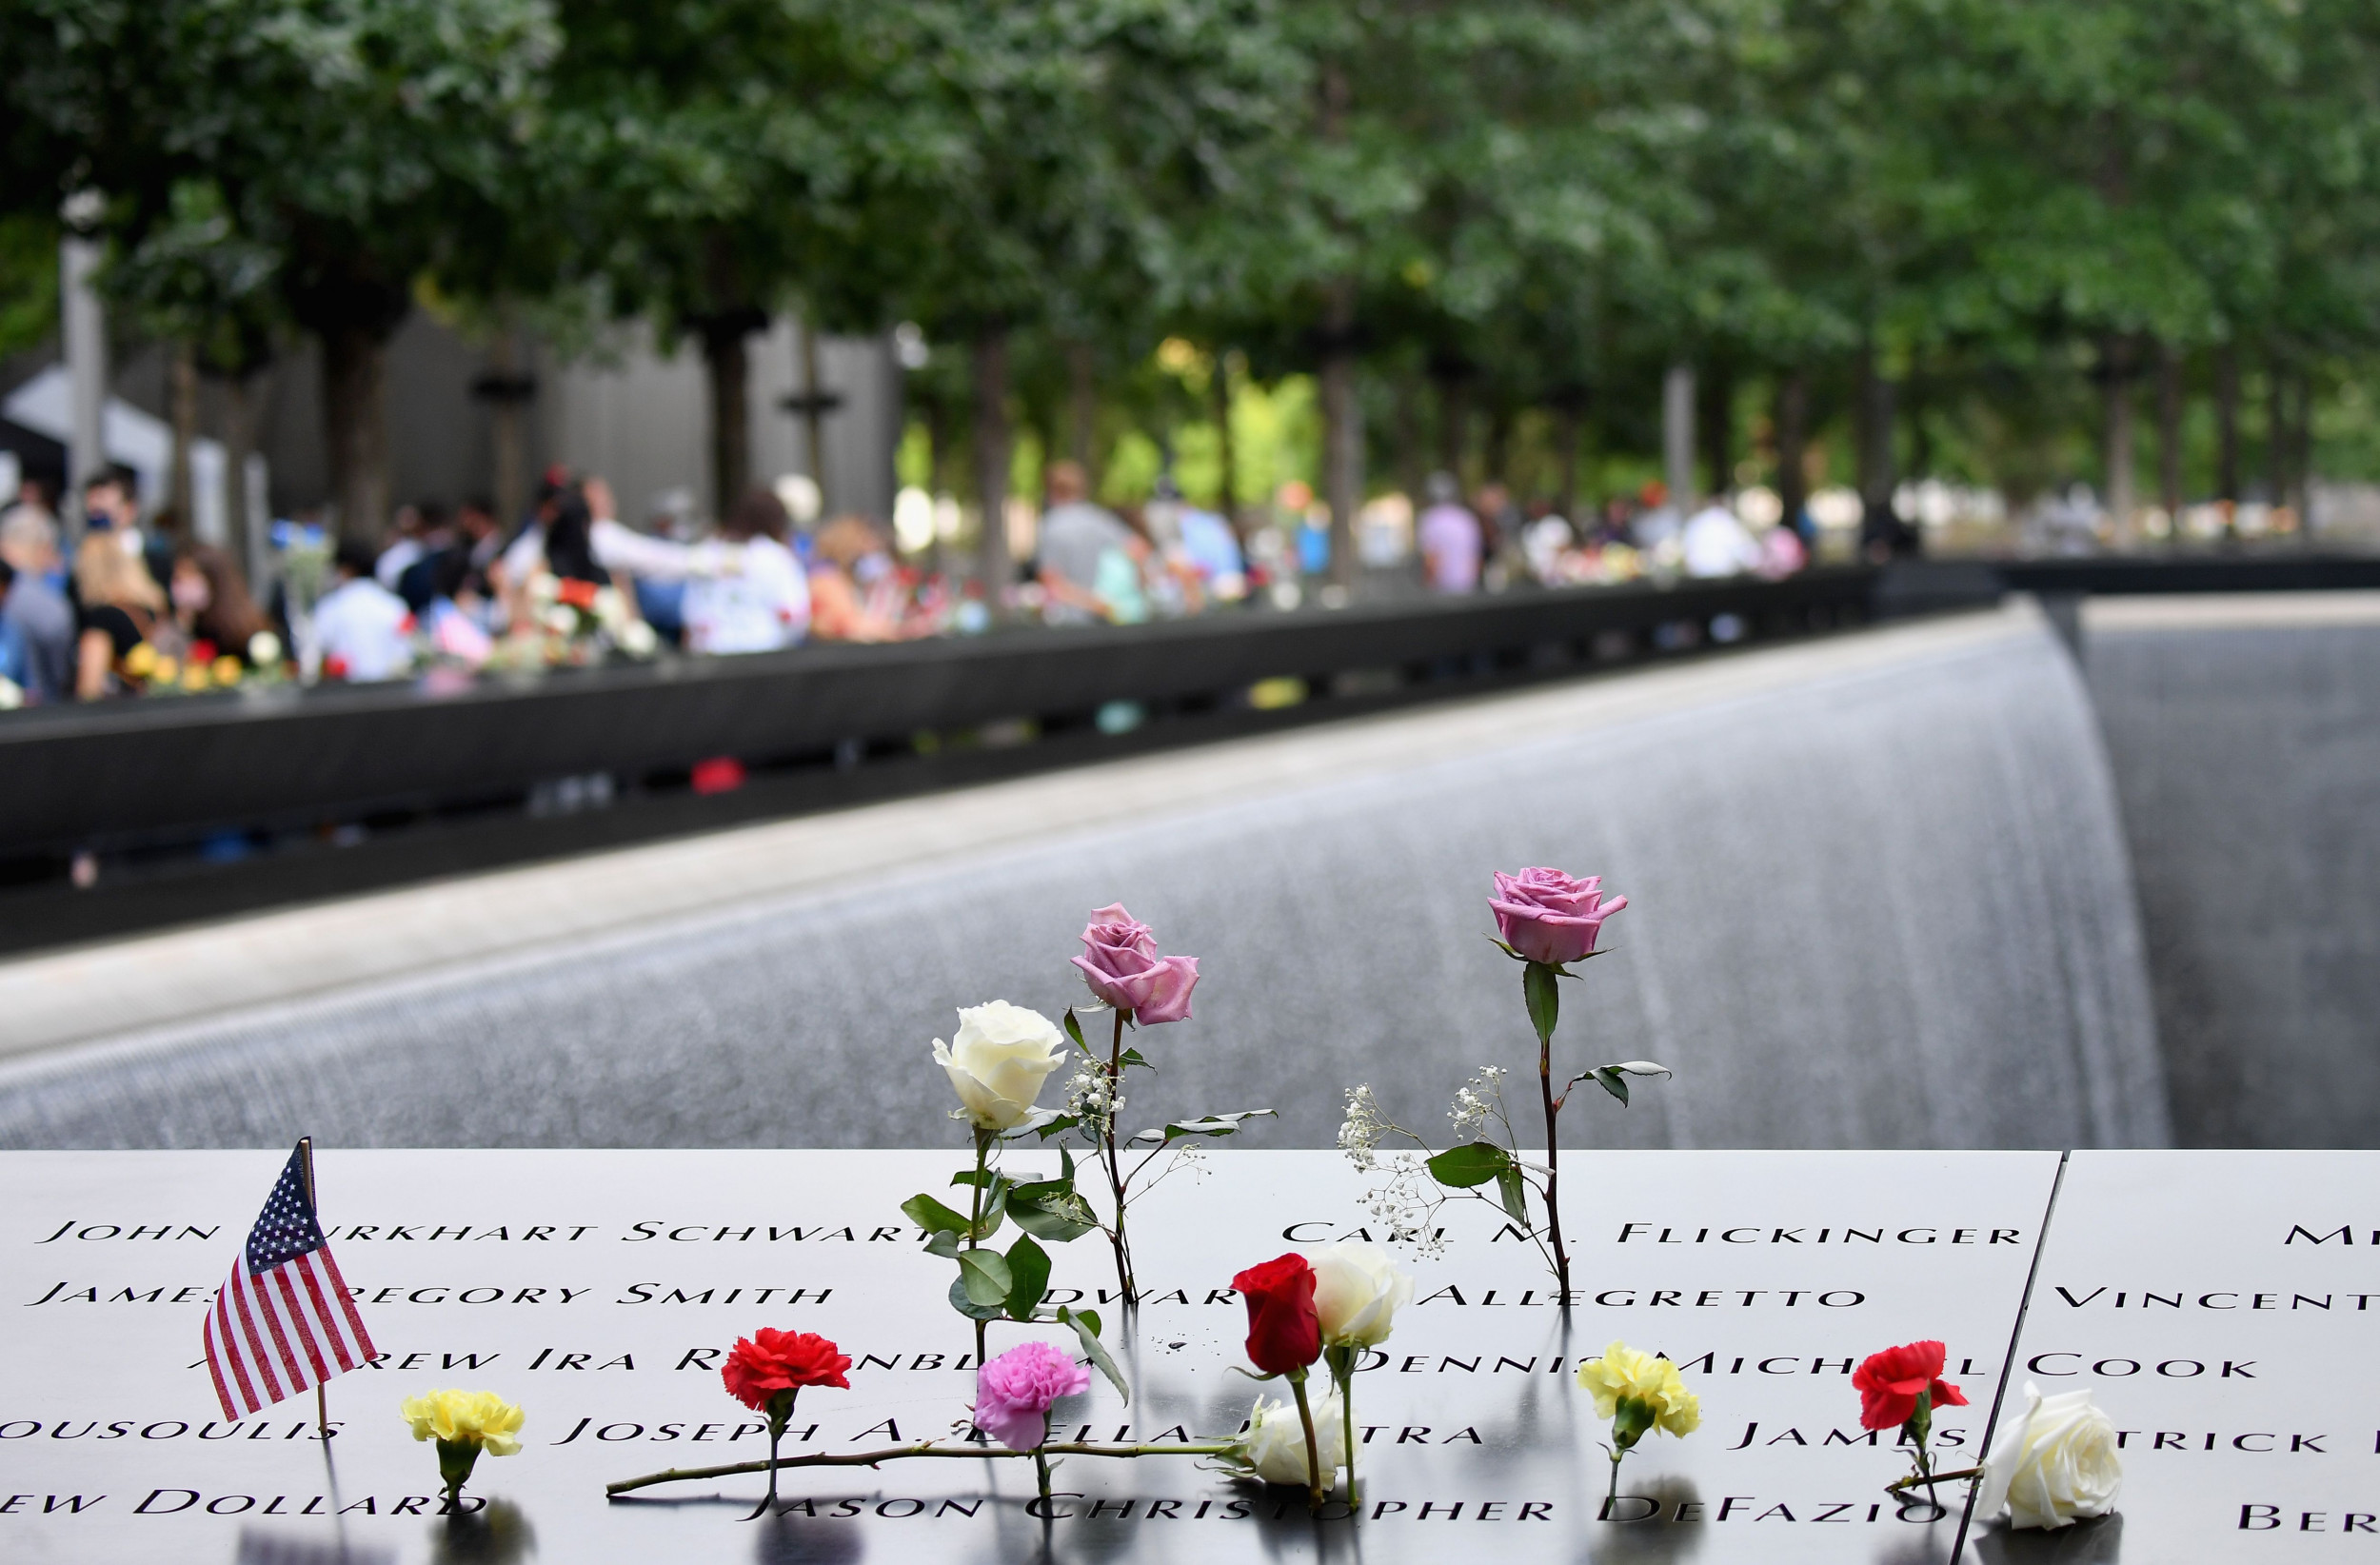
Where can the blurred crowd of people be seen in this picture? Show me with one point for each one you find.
(141, 609)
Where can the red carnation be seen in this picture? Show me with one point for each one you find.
(576, 593)
(770, 1362)
(1283, 1332)
(1889, 1383)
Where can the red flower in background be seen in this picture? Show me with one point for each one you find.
(1889, 1382)
(1284, 1333)
(576, 593)
(769, 1361)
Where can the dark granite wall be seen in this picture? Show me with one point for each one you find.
(2248, 762)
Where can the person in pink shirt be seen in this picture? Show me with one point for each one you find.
(1450, 538)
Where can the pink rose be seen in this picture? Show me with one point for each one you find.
(1548, 917)
(1013, 1392)
(1120, 959)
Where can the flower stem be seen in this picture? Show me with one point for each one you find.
(1315, 1493)
(1347, 1426)
(1611, 1497)
(1041, 1471)
(1553, 1163)
(1918, 1481)
(777, 1421)
(1115, 1166)
(975, 1221)
(926, 1448)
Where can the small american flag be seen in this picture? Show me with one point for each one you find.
(283, 1320)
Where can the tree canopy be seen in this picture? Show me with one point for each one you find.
(1942, 214)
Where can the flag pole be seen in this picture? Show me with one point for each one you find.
(305, 1171)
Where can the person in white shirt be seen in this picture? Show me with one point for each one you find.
(364, 630)
(1715, 543)
(759, 600)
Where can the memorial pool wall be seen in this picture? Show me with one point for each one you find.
(1933, 886)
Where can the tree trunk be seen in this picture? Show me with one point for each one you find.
(2302, 455)
(2276, 440)
(994, 568)
(1567, 424)
(1497, 457)
(182, 393)
(1228, 456)
(2227, 427)
(1342, 448)
(1453, 420)
(355, 427)
(1343, 422)
(814, 406)
(1677, 436)
(1082, 410)
(1881, 532)
(729, 368)
(507, 438)
(2170, 436)
(1793, 446)
(239, 444)
(1717, 430)
(2116, 390)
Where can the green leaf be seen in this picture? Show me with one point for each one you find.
(1462, 1167)
(933, 1216)
(1086, 1331)
(1064, 1122)
(972, 1177)
(1052, 1211)
(968, 1307)
(984, 1276)
(943, 1243)
(1212, 1125)
(1028, 1278)
(1509, 1185)
(1131, 1058)
(1539, 987)
(1612, 1082)
(1074, 1030)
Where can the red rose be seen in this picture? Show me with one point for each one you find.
(1889, 1383)
(576, 593)
(768, 1361)
(1283, 1332)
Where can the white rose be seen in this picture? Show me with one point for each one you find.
(1001, 1057)
(2051, 1461)
(1274, 1445)
(1358, 1290)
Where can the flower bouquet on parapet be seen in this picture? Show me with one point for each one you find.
(1640, 1394)
(1013, 1393)
(1141, 989)
(1899, 1389)
(465, 1423)
(997, 1061)
(1546, 922)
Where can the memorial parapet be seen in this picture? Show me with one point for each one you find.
(600, 1290)
(2223, 1307)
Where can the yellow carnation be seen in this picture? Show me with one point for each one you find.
(141, 661)
(227, 670)
(1626, 1375)
(469, 1418)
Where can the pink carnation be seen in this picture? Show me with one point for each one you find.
(1013, 1392)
